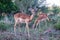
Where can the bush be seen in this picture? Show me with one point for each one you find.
(57, 26)
(7, 6)
(4, 26)
(1, 17)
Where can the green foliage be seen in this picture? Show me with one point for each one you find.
(4, 26)
(24, 4)
(57, 26)
(1, 17)
(7, 6)
(56, 10)
(44, 9)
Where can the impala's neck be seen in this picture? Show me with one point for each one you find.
(31, 17)
(33, 13)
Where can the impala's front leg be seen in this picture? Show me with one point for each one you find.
(15, 28)
(27, 27)
(35, 23)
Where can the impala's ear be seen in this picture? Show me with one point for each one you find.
(29, 9)
(36, 9)
(32, 10)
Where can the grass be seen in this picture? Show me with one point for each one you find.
(35, 34)
(57, 26)
(4, 26)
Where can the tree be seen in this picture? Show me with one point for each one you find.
(55, 10)
(44, 9)
(7, 6)
(24, 4)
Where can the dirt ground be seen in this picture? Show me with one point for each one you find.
(34, 35)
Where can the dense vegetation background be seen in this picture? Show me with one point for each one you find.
(7, 9)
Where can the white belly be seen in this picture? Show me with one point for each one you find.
(43, 19)
(21, 20)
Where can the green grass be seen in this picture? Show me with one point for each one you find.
(57, 26)
(4, 26)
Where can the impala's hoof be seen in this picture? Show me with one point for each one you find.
(15, 35)
(29, 35)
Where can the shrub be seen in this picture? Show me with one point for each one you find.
(4, 26)
(7, 6)
(1, 17)
(57, 26)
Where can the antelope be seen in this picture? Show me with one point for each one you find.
(23, 18)
(41, 17)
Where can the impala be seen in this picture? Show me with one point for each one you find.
(41, 17)
(23, 18)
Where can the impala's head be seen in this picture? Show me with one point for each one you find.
(32, 10)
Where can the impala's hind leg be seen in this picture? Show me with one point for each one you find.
(19, 28)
